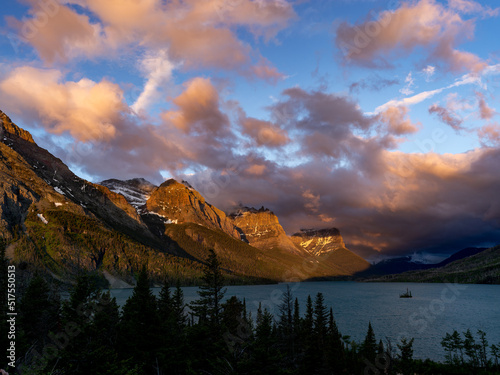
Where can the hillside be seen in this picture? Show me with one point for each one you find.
(481, 268)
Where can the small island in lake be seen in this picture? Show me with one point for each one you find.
(406, 295)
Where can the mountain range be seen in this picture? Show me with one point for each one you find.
(59, 223)
(469, 266)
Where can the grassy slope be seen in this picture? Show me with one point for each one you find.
(70, 242)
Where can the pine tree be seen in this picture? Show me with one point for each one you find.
(320, 318)
(139, 327)
(208, 306)
(178, 306)
(38, 314)
(406, 356)
(369, 346)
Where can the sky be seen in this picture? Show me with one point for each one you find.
(380, 118)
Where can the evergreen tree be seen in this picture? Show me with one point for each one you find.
(335, 347)
(406, 356)
(165, 304)
(296, 318)
(483, 348)
(38, 314)
(471, 348)
(208, 306)
(320, 318)
(103, 331)
(139, 327)
(369, 346)
(495, 352)
(178, 306)
(285, 324)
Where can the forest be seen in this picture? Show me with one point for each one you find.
(87, 333)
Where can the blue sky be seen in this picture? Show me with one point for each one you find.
(377, 117)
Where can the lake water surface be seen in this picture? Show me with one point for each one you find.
(434, 310)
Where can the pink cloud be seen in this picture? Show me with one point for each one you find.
(198, 34)
(424, 23)
(485, 112)
(447, 116)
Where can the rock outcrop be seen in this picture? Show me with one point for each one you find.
(178, 203)
(261, 228)
(319, 242)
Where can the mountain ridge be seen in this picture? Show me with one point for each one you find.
(60, 223)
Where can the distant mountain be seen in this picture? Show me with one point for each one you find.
(399, 265)
(480, 268)
(58, 223)
(464, 253)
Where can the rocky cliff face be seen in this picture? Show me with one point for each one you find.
(178, 203)
(261, 228)
(136, 191)
(328, 246)
(319, 242)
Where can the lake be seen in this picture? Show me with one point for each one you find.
(434, 310)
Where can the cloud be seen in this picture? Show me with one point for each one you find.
(396, 119)
(373, 83)
(158, 70)
(58, 33)
(447, 116)
(469, 6)
(490, 134)
(410, 82)
(264, 133)
(429, 71)
(85, 109)
(485, 112)
(466, 79)
(197, 34)
(424, 23)
(199, 110)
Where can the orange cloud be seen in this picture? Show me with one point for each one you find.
(198, 109)
(264, 133)
(397, 121)
(425, 23)
(196, 33)
(58, 33)
(85, 109)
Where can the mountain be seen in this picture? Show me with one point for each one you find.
(464, 253)
(136, 191)
(399, 265)
(480, 268)
(261, 229)
(319, 242)
(328, 246)
(57, 223)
